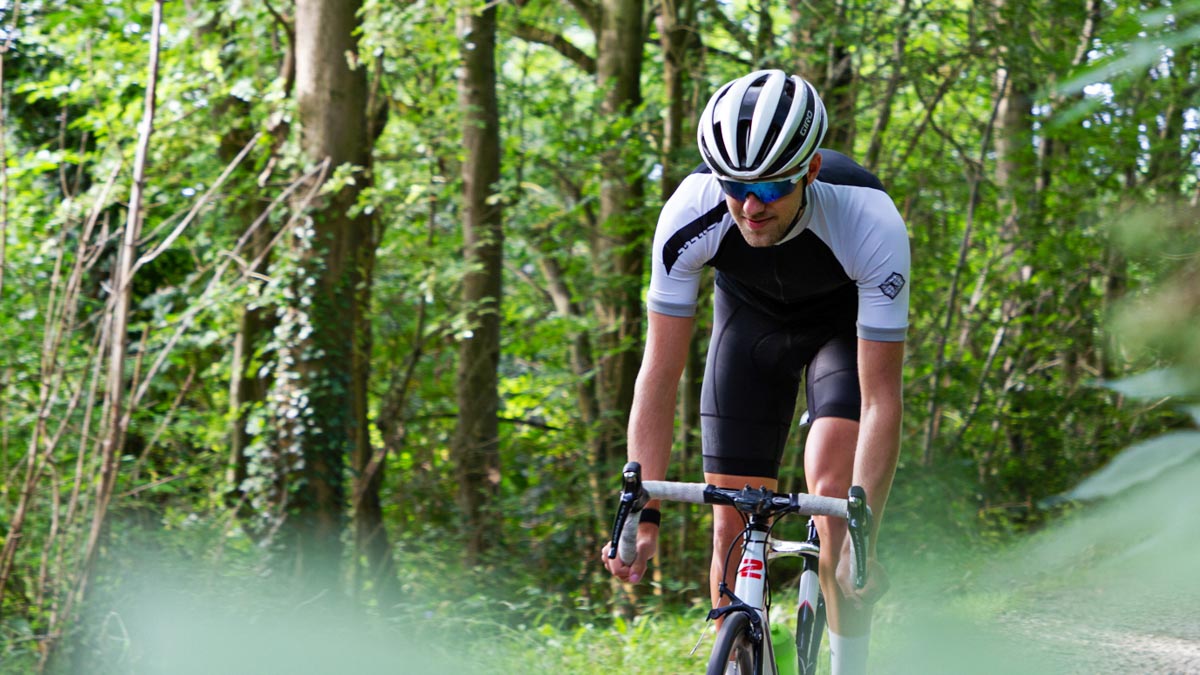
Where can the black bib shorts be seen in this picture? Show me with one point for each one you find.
(756, 361)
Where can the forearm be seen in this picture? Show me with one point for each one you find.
(651, 426)
(878, 450)
(652, 418)
(876, 457)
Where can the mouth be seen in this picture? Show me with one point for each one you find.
(757, 224)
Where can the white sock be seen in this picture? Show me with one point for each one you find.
(848, 655)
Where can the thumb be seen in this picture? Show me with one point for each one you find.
(639, 566)
(639, 571)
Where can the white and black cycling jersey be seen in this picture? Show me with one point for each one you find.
(849, 247)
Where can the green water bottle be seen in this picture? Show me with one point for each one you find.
(785, 649)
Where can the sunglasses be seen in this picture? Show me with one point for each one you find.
(766, 192)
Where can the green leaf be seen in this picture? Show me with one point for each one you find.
(1157, 383)
(1138, 464)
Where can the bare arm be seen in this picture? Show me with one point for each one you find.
(652, 422)
(880, 366)
(652, 419)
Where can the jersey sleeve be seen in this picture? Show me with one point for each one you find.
(684, 241)
(881, 270)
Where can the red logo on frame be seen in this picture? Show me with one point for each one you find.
(751, 568)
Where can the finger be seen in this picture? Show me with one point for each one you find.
(637, 570)
(614, 565)
(850, 592)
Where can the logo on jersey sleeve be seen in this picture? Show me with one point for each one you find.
(893, 285)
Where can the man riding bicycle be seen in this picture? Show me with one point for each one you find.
(812, 266)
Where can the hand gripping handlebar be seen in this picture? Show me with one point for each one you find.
(858, 518)
(633, 499)
(635, 493)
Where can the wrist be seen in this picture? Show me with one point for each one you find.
(652, 516)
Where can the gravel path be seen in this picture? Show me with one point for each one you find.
(1108, 632)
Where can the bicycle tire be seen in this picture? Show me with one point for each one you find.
(735, 644)
(810, 626)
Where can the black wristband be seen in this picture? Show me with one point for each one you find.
(650, 516)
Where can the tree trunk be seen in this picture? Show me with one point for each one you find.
(619, 243)
(246, 390)
(249, 384)
(680, 56)
(247, 387)
(476, 447)
(827, 62)
(884, 115)
(324, 387)
(1018, 196)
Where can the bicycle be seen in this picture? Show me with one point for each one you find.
(743, 644)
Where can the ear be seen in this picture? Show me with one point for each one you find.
(814, 168)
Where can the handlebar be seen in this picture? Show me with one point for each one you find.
(635, 493)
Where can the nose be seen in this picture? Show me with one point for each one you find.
(752, 204)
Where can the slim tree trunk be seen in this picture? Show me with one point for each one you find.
(247, 388)
(619, 243)
(974, 179)
(884, 116)
(680, 47)
(249, 383)
(116, 418)
(476, 445)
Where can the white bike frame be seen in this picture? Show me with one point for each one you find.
(751, 588)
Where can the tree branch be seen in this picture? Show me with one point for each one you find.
(590, 13)
(739, 34)
(558, 43)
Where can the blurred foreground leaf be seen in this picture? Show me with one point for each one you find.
(1138, 464)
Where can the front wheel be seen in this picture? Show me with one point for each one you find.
(735, 652)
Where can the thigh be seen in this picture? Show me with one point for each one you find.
(831, 379)
(749, 394)
(834, 406)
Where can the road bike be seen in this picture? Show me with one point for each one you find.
(743, 645)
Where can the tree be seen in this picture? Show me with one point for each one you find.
(476, 441)
(322, 375)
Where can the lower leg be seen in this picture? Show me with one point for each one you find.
(727, 529)
(849, 622)
(828, 468)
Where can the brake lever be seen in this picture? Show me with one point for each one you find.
(859, 521)
(633, 498)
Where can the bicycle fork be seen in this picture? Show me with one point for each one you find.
(810, 614)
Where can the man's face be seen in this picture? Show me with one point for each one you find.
(765, 224)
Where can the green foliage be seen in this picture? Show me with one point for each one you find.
(1001, 376)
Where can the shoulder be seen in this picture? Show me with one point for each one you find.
(852, 198)
(691, 223)
(856, 217)
(839, 169)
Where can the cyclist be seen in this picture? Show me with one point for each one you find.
(812, 266)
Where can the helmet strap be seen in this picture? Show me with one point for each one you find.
(799, 211)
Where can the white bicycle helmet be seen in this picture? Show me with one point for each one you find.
(761, 126)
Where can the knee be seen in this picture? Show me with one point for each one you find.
(829, 485)
(727, 526)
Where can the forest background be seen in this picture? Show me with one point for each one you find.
(338, 304)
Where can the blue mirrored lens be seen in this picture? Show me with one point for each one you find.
(766, 192)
